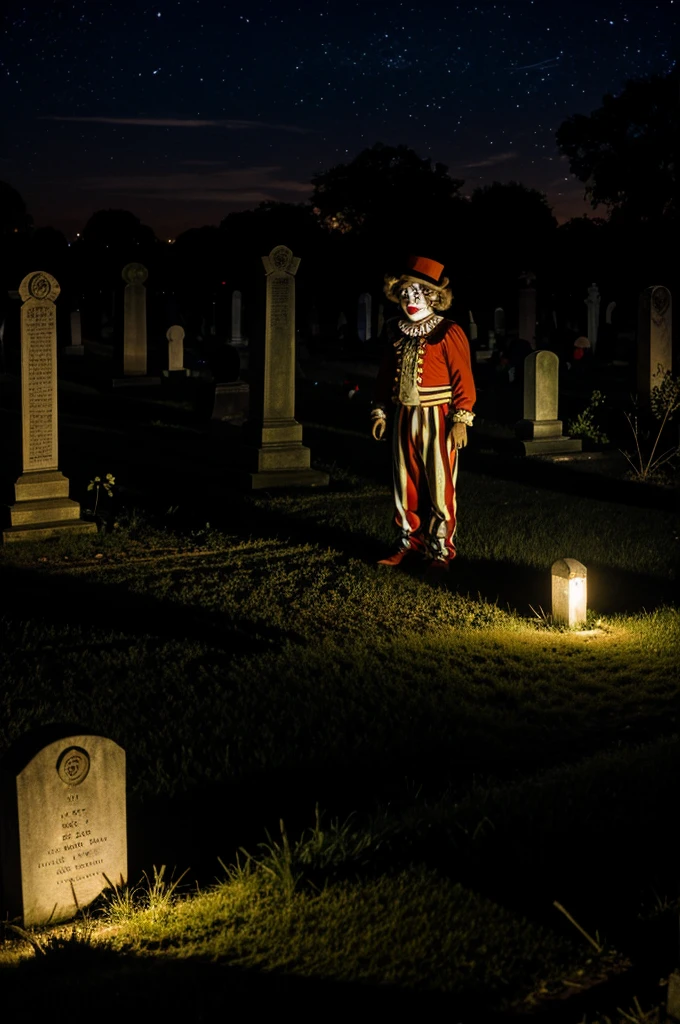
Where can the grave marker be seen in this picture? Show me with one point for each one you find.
(593, 305)
(527, 309)
(499, 322)
(236, 317)
(655, 323)
(62, 825)
(134, 320)
(364, 316)
(175, 336)
(280, 459)
(42, 507)
(76, 348)
(540, 432)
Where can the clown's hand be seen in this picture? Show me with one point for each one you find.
(459, 435)
(378, 424)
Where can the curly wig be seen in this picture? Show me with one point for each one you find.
(438, 296)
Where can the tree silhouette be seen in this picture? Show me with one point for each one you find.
(388, 196)
(13, 215)
(626, 152)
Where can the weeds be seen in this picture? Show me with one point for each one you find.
(585, 424)
(665, 402)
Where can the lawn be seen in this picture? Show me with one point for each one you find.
(254, 663)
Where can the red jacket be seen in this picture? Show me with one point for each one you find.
(440, 362)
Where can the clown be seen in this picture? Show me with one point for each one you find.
(426, 375)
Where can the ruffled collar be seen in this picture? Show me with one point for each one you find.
(420, 329)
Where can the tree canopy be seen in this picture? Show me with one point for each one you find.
(626, 151)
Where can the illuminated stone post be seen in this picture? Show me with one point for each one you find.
(569, 592)
(43, 507)
(175, 336)
(280, 458)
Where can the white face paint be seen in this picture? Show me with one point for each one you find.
(414, 302)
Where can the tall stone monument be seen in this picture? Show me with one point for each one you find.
(42, 507)
(654, 339)
(236, 311)
(499, 322)
(62, 824)
(593, 305)
(76, 348)
(527, 309)
(278, 457)
(134, 320)
(364, 317)
(540, 432)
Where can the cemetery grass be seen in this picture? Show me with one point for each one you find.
(261, 663)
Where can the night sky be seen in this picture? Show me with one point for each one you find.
(185, 110)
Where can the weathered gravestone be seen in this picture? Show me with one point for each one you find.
(62, 824)
(593, 306)
(655, 330)
(278, 457)
(134, 328)
(175, 336)
(364, 317)
(499, 322)
(76, 348)
(540, 432)
(527, 309)
(236, 318)
(43, 507)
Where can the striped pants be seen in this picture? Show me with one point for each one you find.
(425, 468)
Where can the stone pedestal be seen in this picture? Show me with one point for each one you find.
(540, 432)
(42, 507)
(278, 457)
(654, 349)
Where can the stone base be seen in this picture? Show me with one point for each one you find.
(135, 382)
(43, 531)
(288, 478)
(527, 430)
(74, 350)
(43, 510)
(41, 484)
(550, 446)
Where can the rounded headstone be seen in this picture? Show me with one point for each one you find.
(39, 285)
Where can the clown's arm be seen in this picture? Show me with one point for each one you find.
(463, 389)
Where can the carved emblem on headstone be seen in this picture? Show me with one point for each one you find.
(39, 286)
(661, 300)
(135, 273)
(281, 259)
(73, 765)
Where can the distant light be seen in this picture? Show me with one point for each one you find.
(569, 592)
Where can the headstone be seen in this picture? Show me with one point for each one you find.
(540, 432)
(499, 322)
(236, 317)
(609, 312)
(76, 348)
(43, 507)
(232, 402)
(364, 316)
(472, 327)
(593, 304)
(527, 309)
(134, 320)
(279, 457)
(62, 826)
(655, 330)
(175, 336)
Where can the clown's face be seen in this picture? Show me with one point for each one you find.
(414, 302)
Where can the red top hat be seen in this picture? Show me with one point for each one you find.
(424, 269)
